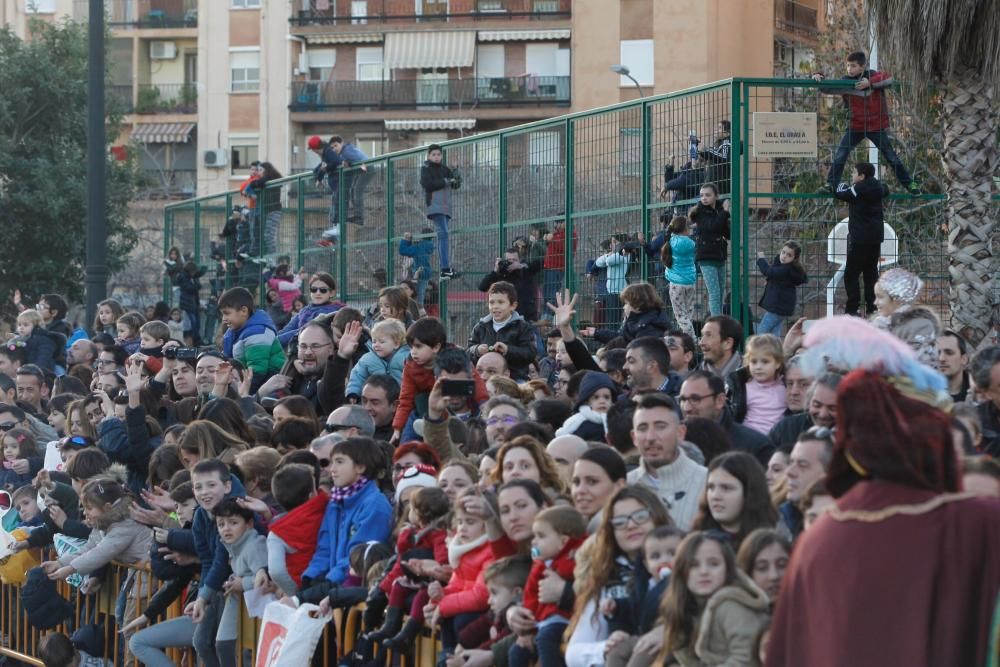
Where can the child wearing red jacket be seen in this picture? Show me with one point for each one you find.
(424, 539)
(426, 338)
(466, 593)
(558, 532)
(291, 541)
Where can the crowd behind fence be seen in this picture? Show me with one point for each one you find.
(601, 172)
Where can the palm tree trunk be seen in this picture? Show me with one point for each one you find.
(970, 159)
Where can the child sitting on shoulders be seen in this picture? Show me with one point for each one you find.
(43, 348)
(128, 326)
(758, 389)
(558, 532)
(387, 356)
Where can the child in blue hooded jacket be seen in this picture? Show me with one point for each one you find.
(357, 513)
(387, 356)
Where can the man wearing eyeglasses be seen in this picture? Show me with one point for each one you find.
(703, 395)
(110, 359)
(350, 421)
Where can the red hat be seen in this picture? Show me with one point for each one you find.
(315, 142)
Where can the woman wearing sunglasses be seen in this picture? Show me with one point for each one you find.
(322, 290)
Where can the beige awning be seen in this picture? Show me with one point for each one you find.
(345, 38)
(523, 35)
(431, 124)
(163, 133)
(417, 50)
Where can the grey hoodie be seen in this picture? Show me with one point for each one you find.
(248, 556)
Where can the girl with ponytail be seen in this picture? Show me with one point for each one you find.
(678, 256)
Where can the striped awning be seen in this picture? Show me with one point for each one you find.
(523, 35)
(345, 38)
(431, 124)
(417, 50)
(163, 133)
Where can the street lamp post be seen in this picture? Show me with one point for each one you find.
(624, 71)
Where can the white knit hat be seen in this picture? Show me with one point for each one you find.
(417, 476)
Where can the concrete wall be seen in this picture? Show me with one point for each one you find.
(213, 91)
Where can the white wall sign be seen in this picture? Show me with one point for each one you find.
(783, 134)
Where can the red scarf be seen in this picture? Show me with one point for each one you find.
(299, 529)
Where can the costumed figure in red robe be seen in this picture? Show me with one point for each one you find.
(905, 570)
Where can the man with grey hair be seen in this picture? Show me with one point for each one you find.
(985, 370)
(797, 385)
(821, 410)
(807, 463)
(349, 421)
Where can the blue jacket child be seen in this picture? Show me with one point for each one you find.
(362, 517)
(372, 364)
(421, 252)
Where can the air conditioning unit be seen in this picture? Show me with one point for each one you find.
(162, 50)
(216, 158)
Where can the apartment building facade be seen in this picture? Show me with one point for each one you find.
(211, 85)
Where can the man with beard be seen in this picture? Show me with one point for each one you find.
(821, 410)
(647, 363)
(379, 397)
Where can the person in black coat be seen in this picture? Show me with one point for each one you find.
(711, 223)
(503, 330)
(188, 280)
(865, 233)
(519, 274)
(778, 299)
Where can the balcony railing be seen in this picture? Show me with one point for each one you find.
(795, 17)
(167, 98)
(431, 94)
(121, 96)
(144, 13)
(346, 13)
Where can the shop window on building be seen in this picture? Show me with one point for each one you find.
(240, 157)
(245, 71)
(637, 55)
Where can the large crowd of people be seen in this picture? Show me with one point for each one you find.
(658, 490)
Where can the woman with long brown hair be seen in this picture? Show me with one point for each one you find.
(204, 440)
(614, 569)
(736, 500)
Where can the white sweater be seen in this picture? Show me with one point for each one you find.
(678, 484)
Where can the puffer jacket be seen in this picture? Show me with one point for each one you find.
(372, 364)
(712, 236)
(517, 334)
(437, 182)
(466, 592)
(779, 295)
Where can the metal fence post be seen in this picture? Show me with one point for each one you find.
(300, 219)
(644, 179)
(568, 273)
(736, 208)
(390, 223)
(168, 230)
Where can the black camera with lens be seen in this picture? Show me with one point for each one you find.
(503, 266)
(180, 353)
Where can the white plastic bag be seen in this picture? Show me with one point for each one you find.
(288, 636)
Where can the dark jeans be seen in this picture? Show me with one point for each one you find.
(548, 648)
(194, 324)
(862, 260)
(356, 183)
(882, 141)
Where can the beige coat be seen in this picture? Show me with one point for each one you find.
(726, 634)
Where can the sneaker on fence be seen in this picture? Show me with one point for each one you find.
(914, 189)
(332, 232)
(326, 243)
(825, 189)
(447, 274)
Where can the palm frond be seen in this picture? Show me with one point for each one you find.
(926, 40)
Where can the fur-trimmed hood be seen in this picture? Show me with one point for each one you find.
(729, 625)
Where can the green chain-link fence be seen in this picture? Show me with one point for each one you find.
(601, 173)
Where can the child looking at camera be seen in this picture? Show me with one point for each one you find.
(758, 389)
(387, 356)
(18, 444)
(247, 558)
(778, 300)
